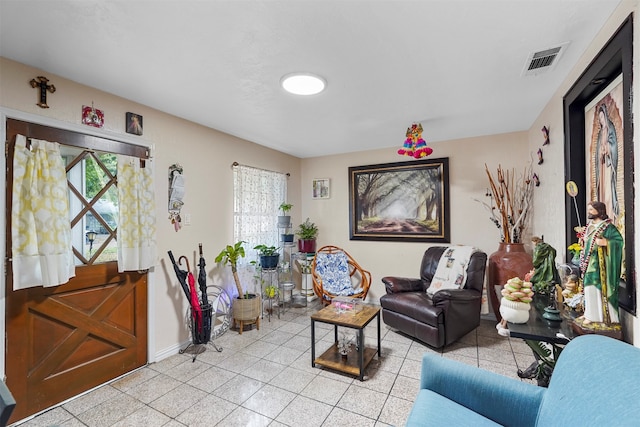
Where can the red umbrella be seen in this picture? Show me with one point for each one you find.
(196, 310)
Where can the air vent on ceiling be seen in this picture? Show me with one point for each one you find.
(543, 61)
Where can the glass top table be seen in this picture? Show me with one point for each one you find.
(540, 329)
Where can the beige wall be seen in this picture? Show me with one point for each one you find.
(470, 224)
(549, 202)
(206, 156)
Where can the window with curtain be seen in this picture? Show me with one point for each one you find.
(257, 195)
(68, 210)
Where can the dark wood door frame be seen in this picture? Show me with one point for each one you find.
(79, 139)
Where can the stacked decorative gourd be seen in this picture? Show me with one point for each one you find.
(517, 289)
(516, 298)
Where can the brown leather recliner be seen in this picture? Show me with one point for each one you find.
(443, 318)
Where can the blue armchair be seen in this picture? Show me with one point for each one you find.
(7, 403)
(596, 382)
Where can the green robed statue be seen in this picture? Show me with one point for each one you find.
(545, 274)
(600, 265)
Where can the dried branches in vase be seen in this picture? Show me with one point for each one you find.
(511, 199)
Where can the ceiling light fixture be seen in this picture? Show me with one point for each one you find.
(303, 83)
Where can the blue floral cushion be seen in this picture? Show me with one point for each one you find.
(333, 269)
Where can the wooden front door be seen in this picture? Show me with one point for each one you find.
(64, 340)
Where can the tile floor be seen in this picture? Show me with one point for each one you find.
(264, 378)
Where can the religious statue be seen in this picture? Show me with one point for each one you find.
(545, 274)
(600, 267)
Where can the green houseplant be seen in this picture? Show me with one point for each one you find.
(269, 256)
(246, 308)
(284, 220)
(307, 233)
(230, 255)
(270, 291)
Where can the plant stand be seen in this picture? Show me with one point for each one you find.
(304, 261)
(285, 276)
(269, 277)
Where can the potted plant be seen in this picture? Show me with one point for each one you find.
(284, 220)
(270, 291)
(246, 308)
(269, 256)
(307, 233)
(287, 236)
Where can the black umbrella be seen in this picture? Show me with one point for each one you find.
(202, 278)
(207, 309)
(181, 275)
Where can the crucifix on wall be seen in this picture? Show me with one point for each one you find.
(44, 87)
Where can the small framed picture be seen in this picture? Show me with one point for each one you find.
(321, 188)
(134, 123)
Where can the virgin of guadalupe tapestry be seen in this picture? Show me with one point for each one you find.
(605, 152)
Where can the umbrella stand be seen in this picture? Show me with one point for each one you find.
(200, 312)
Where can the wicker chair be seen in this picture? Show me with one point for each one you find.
(336, 273)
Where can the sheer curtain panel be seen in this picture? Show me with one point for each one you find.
(258, 194)
(137, 249)
(40, 228)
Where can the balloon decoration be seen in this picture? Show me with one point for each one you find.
(414, 145)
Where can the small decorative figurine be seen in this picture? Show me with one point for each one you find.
(414, 146)
(536, 180)
(540, 159)
(571, 287)
(545, 134)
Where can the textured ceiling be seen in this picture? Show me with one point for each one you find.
(455, 66)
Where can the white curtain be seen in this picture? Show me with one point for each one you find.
(137, 249)
(258, 194)
(40, 228)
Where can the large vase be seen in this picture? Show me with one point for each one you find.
(509, 261)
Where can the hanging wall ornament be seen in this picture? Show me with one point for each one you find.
(414, 146)
(540, 159)
(545, 134)
(92, 116)
(536, 180)
(43, 84)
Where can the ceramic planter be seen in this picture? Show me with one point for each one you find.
(286, 238)
(514, 311)
(268, 262)
(246, 309)
(307, 245)
(284, 221)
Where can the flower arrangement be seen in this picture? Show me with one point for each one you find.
(511, 199)
(575, 249)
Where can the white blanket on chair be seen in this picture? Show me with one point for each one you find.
(452, 269)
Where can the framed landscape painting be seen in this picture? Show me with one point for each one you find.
(404, 201)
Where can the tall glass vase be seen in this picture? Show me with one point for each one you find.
(510, 260)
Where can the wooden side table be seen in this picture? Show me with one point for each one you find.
(356, 361)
